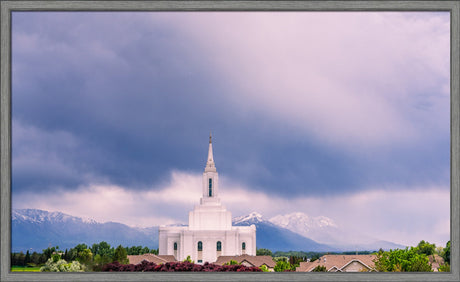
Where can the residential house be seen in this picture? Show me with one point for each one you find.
(248, 260)
(158, 259)
(340, 263)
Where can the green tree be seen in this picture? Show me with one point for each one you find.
(426, 248)
(103, 249)
(446, 253)
(80, 247)
(264, 252)
(121, 255)
(35, 258)
(85, 257)
(49, 251)
(145, 250)
(99, 261)
(407, 260)
(282, 265)
(27, 258)
(319, 268)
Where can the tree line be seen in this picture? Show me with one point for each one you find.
(94, 258)
(90, 257)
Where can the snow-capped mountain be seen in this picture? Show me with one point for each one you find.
(303, 222)
(324, 230)
(321, 229)
(277, 238)
(41, 216)
(252, 218)
(38, 229)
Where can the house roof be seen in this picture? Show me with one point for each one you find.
(158, 259)
(253, 260)
(337, 261)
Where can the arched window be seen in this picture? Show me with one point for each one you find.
(210, 187)
(200, 246)
(175, 246)
(243, 246)
(219, 246)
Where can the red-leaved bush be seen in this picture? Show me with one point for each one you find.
(177, 266)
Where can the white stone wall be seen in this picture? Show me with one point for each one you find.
(188, 242)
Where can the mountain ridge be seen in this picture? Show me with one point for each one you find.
(39, 229)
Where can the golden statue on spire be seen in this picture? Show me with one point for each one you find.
(210, 137)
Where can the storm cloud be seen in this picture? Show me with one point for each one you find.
(300, 104)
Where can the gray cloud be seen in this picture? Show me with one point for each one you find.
(125, 98)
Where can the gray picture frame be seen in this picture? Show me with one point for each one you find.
(7, 7)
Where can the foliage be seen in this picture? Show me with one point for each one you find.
(231, 262)
(99, 261)
(139, 250)
(444, 268)
(188, 259)
(264, 252)
(25, 269)
(49, 251)
(282, 265)
(61, 266)
(264, 268)
(80, 247)
(294, 260)
(446, 253)
(178, 266)
(276, 259)
(426, 248)
(93, 258)
(120, 255)
(402, 260)
(27, 258)
(85, 256)
(102, 249)
(319, 268)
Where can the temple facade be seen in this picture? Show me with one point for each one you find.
(210, 233)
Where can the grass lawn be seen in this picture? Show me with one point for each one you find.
(25, 269)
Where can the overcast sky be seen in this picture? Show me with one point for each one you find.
(345, 115)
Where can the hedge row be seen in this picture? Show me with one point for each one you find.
(177, 266)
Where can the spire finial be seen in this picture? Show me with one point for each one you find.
(210, 163)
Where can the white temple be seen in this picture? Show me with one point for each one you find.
(210, 233)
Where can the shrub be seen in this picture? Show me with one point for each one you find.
(61, 266)
(177, 266)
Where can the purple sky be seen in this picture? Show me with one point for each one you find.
(344, 115)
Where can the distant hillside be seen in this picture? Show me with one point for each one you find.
(324, 230)
(276, 238)
(38, 229)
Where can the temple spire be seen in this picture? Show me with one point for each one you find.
(210, 166)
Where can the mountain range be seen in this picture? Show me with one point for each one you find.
(38, 229)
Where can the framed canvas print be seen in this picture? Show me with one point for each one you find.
(290, 140)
